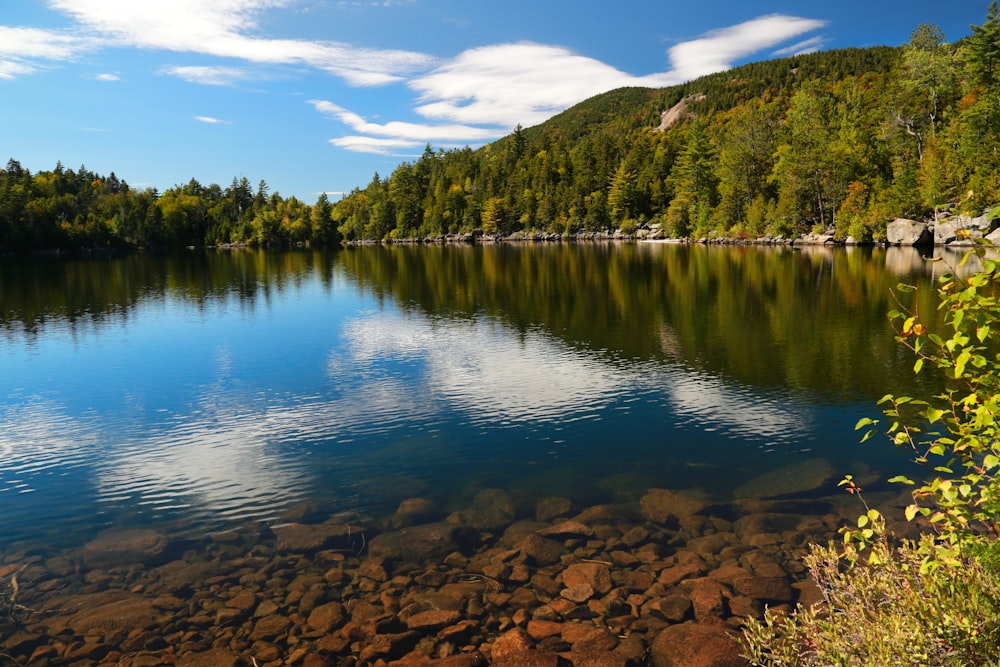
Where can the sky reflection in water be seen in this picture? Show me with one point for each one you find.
(195, 417)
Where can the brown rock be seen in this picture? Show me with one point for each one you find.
(636, 580)
(707, 597)
(119, 547)
(492, 509)
(389, 646)
(433, 619)
(598, 659)
(566, 530)
(795, 478)
(430, 542)
(416, 510)
(762, 565)
(729, 573)
(596, 515)
(671, 576)
(673, 608)
(549, 508)
(539, 630)
(578, 593)
(533, 659)
(596, 575)
(743, 607)
(711, 545)
(105, 613)
(667, 507)
(635, 536)
(308, 538)
(243, 601)
(770, 589)
(765, 523)
(216, 657)
(696, 645)
(326, 617)
(809, 593)
(512, 643)
(540, 550)
(270, 627)
(586, 638)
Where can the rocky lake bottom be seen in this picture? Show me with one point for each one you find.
(665, 578)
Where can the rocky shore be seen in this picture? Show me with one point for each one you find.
(949, 230)
(665, 581)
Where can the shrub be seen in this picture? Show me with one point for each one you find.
(935, 601)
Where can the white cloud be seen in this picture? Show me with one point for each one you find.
(719, 49)
(227, 28)
(508, 84)
(22, 48)
(107, 76)
(212, 121)
(374, 145)
(208, 75)
(407, 131)
(527, 83)
(810, 45)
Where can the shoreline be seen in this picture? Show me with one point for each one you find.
(659, 581)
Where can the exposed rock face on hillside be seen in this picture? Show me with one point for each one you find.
(676, 113)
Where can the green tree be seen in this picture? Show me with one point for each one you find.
(984, 49)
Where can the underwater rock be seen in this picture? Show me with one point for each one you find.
(796, 478)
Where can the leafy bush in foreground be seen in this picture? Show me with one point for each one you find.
(935, 601)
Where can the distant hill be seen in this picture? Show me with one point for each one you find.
(837, 142)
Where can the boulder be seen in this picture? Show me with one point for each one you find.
(902, 231)
(663, 506)
(796, 478)
(415, 510)
(596, 575)
(430, 542)
(695, 644)
(492, 510)
(216, 657)
(308, 538)
(124, 547)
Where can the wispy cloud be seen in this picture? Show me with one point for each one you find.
(209, 75)
(375, 145)
(107, 77)
(229, 30)
(402, 130)
(22, 49)
(810, 45)
(212, 121)
(719, 49)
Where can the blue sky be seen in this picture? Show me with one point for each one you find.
(316, 95)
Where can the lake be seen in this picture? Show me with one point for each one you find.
(197, 393)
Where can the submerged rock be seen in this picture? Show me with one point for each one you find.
(664, 507)
(796, 478)
(420, 544)
(696, 645)
(123, 547)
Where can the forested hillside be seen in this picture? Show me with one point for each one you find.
(845, 139)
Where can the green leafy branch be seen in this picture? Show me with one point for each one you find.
(955, 433)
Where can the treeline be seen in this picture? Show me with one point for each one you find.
(66, 209)
(843, 140)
